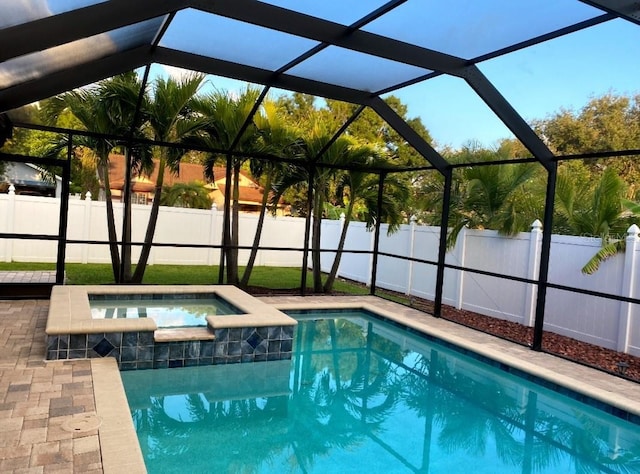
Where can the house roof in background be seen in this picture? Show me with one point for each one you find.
(188, 173)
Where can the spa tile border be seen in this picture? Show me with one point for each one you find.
(260, 333)
(139, 350)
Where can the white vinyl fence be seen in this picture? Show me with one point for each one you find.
(600, 321)
(87, 221)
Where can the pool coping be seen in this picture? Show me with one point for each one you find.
(119, 445)
(69, 311)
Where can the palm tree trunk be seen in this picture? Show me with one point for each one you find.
(126, 234)
(111, 222)
(232, 264)
(328, 284)
(256, 238)
(226, 228)
(126, 254)
(151, 225)
(315, 242)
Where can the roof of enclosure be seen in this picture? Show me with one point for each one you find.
(350, 50)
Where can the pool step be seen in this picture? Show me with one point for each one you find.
(183, 334)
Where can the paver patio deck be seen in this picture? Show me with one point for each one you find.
(36, 276)
(39, 400)
(19, 284)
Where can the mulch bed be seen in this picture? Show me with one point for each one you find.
(616, 363)
(608, 360)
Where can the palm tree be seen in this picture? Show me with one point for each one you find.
(171, 118)
(225, 129)
(363, 190)
(316, 149)
(107, 108)
(192, 195)
(121, 97)
(600, 210)
(277, 138)
(495, 197)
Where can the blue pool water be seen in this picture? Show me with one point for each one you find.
(167, 310)
(362, 396)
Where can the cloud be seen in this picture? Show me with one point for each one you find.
(23, 11)
(175, 72)
(35, 65)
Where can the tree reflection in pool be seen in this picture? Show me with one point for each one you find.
(362, 396)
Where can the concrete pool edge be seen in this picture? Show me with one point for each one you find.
(69, 311)
(577, 378)
(119, 445)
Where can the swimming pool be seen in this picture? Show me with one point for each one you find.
(360, 395)
(167, 310)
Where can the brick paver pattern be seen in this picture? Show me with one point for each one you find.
(39, 401)
(28, 277)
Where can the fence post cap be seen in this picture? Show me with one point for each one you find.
(536, 226)
(633, 231)
(413, 219)
(214, 207)
(87, 196)
(342, 216)
(12, 189)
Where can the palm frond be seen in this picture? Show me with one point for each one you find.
(606, 252)
(631, 206)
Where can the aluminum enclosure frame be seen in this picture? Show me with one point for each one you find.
(42, 34)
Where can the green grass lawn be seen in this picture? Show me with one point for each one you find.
(275, 278)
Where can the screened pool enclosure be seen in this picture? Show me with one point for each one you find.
(357, 52)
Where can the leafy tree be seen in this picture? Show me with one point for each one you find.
(37, 143)
(6, 131)
(590, 201)
(298, 108)
(24, 141)
(607, 123)
(83, 173)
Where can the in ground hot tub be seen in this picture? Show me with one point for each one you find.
(248, 331)
(178, 310)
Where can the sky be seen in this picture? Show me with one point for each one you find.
(538, 81)
(562, 73)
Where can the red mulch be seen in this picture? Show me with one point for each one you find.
(582, 352)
